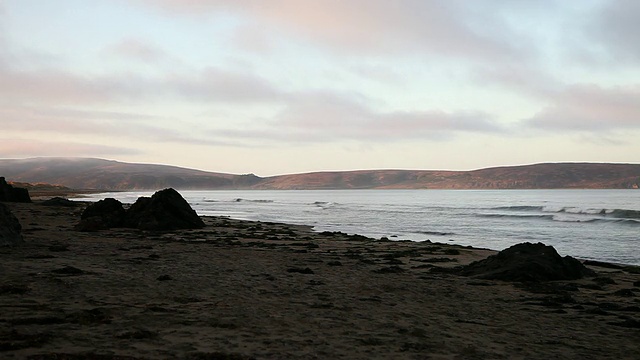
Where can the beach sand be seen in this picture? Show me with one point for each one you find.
(239, 289)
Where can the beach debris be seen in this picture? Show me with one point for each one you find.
(101, 215)
(10, 228)
(527, 262)
(59, 201)
(9, 193)
(164, 210)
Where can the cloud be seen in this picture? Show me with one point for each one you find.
(617, 29)
(332, 117)
(137, 50)
(53, 86)
(591, 108)
(218, 85)
(72, 122)
(523, 78)
(364, 26)
(16, 148)
(57, 86)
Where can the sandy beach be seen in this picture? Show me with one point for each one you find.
(241, 290)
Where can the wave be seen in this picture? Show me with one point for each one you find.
(615, 213)
(525, 216)
(618, 221)
(252, 201)
(624, 214)
(565, 219)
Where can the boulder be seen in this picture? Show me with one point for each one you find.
(165, 210)
(527, 262)
(10, 228)
(104, 214)
(13, 194)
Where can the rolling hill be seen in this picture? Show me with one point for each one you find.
(100, 174)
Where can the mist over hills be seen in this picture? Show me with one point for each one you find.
(100, 174)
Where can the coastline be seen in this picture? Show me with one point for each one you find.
(247, 289)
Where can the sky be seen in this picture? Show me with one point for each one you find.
(289, 86)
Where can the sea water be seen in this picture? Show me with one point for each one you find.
(589, 224)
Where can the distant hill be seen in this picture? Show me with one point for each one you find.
(100, 174)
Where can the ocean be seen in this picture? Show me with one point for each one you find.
(588, 224)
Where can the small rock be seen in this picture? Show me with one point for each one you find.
(164, 278)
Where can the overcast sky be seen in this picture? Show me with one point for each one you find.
(287, 86)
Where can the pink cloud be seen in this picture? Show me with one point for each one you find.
(17, 148)
(591, 108)
(371, 26)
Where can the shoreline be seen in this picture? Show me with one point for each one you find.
(249, 289)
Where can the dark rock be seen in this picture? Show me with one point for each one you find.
(527, 262)
(68, 270)
(10, 228)
(58, 248)
(165, 210)
(101, 215)
(394, 269)
(624, 293)
(59, 201)
(604, 280)
(10, 288)
(164, 278)
(628, 323)
(13, 194)
(300, 270)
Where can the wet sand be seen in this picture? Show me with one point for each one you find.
(240, 289)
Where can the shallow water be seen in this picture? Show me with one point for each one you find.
(590, 224)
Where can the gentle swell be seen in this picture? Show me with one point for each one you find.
(435, 233)
(549, 217)
(519, 208)
(624, 214)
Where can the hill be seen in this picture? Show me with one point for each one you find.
(100, 174)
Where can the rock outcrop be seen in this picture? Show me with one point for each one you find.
(527, 262)
(10, 228)
(104, 214)
(13, 194)
(165, 210)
